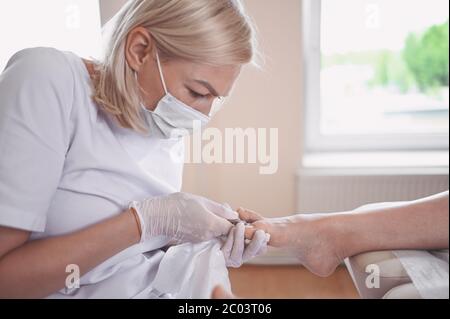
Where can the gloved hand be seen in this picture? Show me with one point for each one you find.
(183, 218)
(237, 251)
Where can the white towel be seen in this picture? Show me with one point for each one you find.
(428, 271)
(191, 271)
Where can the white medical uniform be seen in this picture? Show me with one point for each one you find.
(65, 165)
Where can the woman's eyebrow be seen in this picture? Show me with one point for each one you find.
(209, 87)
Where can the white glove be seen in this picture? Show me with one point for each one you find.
(235, 249)
(183, 217)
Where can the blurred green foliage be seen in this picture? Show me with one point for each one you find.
(427, 57)
(423, 63)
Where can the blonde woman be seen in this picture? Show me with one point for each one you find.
(86, 172)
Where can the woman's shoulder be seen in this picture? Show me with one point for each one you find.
(38, 55)
(38, 80)
(41, 64)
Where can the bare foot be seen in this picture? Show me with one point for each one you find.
(312, 238)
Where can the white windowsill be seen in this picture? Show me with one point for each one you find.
(398, 163)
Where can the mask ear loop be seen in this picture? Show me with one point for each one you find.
(158, 61)
(161, 73)
(216, 106)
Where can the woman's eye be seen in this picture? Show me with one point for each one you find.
(197, 95)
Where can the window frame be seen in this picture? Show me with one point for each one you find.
(314, 140)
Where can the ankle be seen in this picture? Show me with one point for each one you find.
(340, 234)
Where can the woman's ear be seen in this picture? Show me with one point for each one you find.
(139, 48)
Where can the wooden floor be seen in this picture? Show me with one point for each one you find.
(290, 282)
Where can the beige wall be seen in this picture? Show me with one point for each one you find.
(109, 7)
(266, 98)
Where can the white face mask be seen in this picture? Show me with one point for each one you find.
(172, 118)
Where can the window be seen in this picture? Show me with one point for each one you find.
(71, 25)
(377, 74)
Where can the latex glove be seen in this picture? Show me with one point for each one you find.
(183, 217)
(235, 249)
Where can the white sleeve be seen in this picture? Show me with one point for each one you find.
(36, 94)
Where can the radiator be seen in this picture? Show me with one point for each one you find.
(320, 191)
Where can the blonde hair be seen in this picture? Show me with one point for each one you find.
(215, 32)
